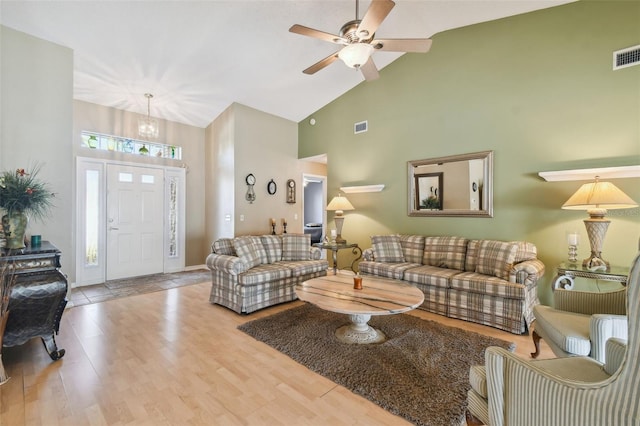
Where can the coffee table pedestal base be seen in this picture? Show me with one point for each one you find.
(359, 331)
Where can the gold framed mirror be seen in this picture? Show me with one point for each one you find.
(457, 185)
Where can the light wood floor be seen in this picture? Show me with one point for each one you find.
(171, 358)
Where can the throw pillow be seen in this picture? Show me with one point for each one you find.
(250, 250)
(387, 248)
(496, 258)
(445, 252)
(472, 255)
(296, 247)
(273, 246)
(224, 246)
(412, 248)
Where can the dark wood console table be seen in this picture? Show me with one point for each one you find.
(38, 298)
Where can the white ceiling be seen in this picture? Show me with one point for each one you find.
(197, 57)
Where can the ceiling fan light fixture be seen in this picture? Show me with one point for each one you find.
(147, 126)
(355, 55)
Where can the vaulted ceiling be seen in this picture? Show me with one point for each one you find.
(198, 57)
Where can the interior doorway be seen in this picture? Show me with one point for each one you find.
(314, 196)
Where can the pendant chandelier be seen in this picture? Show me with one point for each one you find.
(147, 126)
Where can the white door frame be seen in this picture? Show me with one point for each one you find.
(323, 181)
(94, 272)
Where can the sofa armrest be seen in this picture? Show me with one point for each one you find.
(527, 272)
(229, 264)
(315, 253)
(601, 329)
(616, 349)
(368, 254)
(524, 390)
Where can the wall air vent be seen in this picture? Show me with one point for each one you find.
(626, 57)
(360, 127)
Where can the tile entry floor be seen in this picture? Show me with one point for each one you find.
(138, 285)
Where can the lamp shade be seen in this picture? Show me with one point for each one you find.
(339, 204)
(599, 195)
(596, 197)
(355, 55)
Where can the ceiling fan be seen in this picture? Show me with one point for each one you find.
(358, 39)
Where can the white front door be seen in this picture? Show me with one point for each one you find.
(134, 221)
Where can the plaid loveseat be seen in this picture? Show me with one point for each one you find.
(252, 272)
(484, 281)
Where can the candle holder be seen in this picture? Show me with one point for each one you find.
(573, 239)
(273, 228)
(284, 227)
(357, 282)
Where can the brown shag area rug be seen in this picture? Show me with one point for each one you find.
(420, 373)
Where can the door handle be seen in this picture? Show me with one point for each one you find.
(112, 228)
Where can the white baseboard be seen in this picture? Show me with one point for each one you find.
(195, 267)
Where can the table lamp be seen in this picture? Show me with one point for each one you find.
(596, 198)
(339, 204)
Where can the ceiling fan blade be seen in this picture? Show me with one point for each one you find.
(310, 32)
(376, 13)
(420, 45)
(321, 64)
(369, 70)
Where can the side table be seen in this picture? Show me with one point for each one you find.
(566, 272)
(334, 247)
(38, 297)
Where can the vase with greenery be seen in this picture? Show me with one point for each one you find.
(22, 196)
(431, 203)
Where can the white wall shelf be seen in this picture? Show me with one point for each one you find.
(361, 188)
(590, 174)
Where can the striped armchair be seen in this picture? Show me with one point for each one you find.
(580, 323)
(571, 391)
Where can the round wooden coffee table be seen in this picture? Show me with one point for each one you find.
(379, 296)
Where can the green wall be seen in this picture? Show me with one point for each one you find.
(538, 89)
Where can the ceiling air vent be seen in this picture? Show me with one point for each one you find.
(360, 127)
(626, 57)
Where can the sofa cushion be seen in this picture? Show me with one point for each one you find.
(412, 248)
(300, 268)
(430, 275)
(387, 248)
(496, 258)
(568, 330)
(478, 380)
(296, 247)
(445, 252)
(250, 250)
(272, 245)
(224, 246)
(473, 282)
(579, 369)
(264, 273)
(387, 270)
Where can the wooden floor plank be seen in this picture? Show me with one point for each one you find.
(170, 357)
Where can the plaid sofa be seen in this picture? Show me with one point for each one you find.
(252, 272)
(484, 281)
